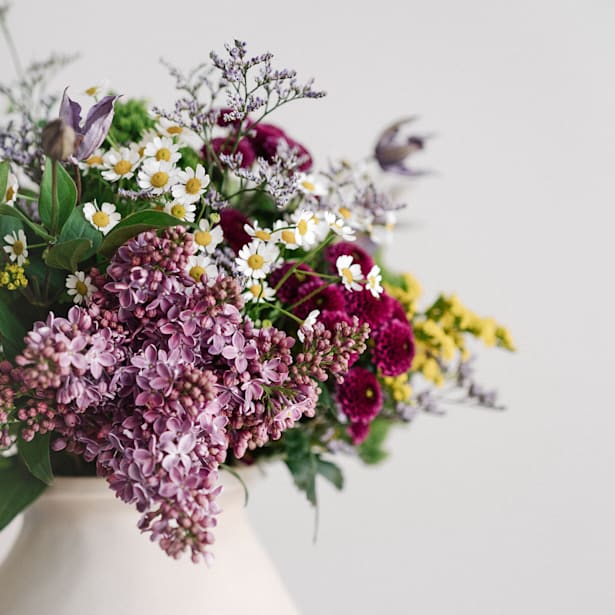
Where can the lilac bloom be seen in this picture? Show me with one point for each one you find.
(97, 123)
(392, 151)
(177, 452)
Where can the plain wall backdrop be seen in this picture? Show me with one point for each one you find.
(479, 512)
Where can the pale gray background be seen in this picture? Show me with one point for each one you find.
(479, 512)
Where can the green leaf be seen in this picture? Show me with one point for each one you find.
(4, 178)
(18, 489)
(77, 227)
(133, 225)
(301, 462)
(66, 192)
(371, 450)
(35, 455)
(12, 331)
(7, 210)
(69, 254)
(331, 472)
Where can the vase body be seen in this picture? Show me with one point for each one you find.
(80, 553)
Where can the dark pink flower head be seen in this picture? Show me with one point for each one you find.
(326, 298)
(233, 222)
(359, 395)
(287, 293)
(358, 431)
(359, 255)
(225, 146)
(372, 310)
(265, 139)
(397, 309)
(393, 349)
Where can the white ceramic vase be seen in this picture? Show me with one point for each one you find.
(80, 553)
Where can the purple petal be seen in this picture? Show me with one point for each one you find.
(70, 113)
(96, 127)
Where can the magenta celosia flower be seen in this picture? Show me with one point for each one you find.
(359, 395)
(393, 349)
(372, 310)
(287, 293)
(265, 139)
(232, 223)
(323, 298)
(359, 255)
(222, 145)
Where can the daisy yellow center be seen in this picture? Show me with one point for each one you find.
(193, 185)
(164, 153)
(389, 227)
(256, 261)
(175, 130)
(302, 227)
(197, 272)
(264, 235)
(159, 179)
(90, 92)
(81, 288)
(18, 248)
(309, 186)
(288, 236)
(256, 290)
(345, 213)
(369, 393)
(178, 210)
(347, 275)
(100, 219)
(122, 167)
(10, 193)
(203, 238)
(94, 160)
(372, 281)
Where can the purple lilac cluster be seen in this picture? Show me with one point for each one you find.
(172, 377)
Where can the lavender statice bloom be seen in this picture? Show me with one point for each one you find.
(392, 151)
(97, 123)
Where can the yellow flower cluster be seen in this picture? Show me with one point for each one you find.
(12, 277)
(407, 293)
(399, 387)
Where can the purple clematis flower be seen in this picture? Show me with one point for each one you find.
(97, 123)
(391, 151)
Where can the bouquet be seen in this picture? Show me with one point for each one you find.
(185, 291)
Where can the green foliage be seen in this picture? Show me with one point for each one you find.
(130, 120)
(68, 255)
(133, 225)
(18, 489)
(4, 178)
(77, 227)
(35, 454)
(66, 193)
(12, 331)
(7, 210)
(305, 464)
(189, 158)
(371, 451)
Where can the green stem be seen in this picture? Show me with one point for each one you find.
(315, 292)
(54, 197)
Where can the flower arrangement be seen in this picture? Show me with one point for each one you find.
(185, 291)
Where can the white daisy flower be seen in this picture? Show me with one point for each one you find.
(383, 233)
(307, 184)
(158, 176)
(146, 138)
(207, 238)
(97, 89)
(259, 291)
(80, 286)
(11, 189)
(95, 161)
(305, 232)
(254, 230)
(168, 129)
(349, 272)
(104, 218)
(162, 148)
(373, 279)
(286, 234)
(256, 258)
(191, 184)
(308, 324)
(17, 247)
(185, 212)
(120, 164)
(339, 227)
(200, 265)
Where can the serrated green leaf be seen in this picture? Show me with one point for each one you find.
(77, 227)
(331, 472)
(134, 224)
(68, 255)
(7, 210)
(66, 193)
(4, 178)
(35, 454)
(12, 331)
(18, 489)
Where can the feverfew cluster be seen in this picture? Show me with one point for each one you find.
(186, 291)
